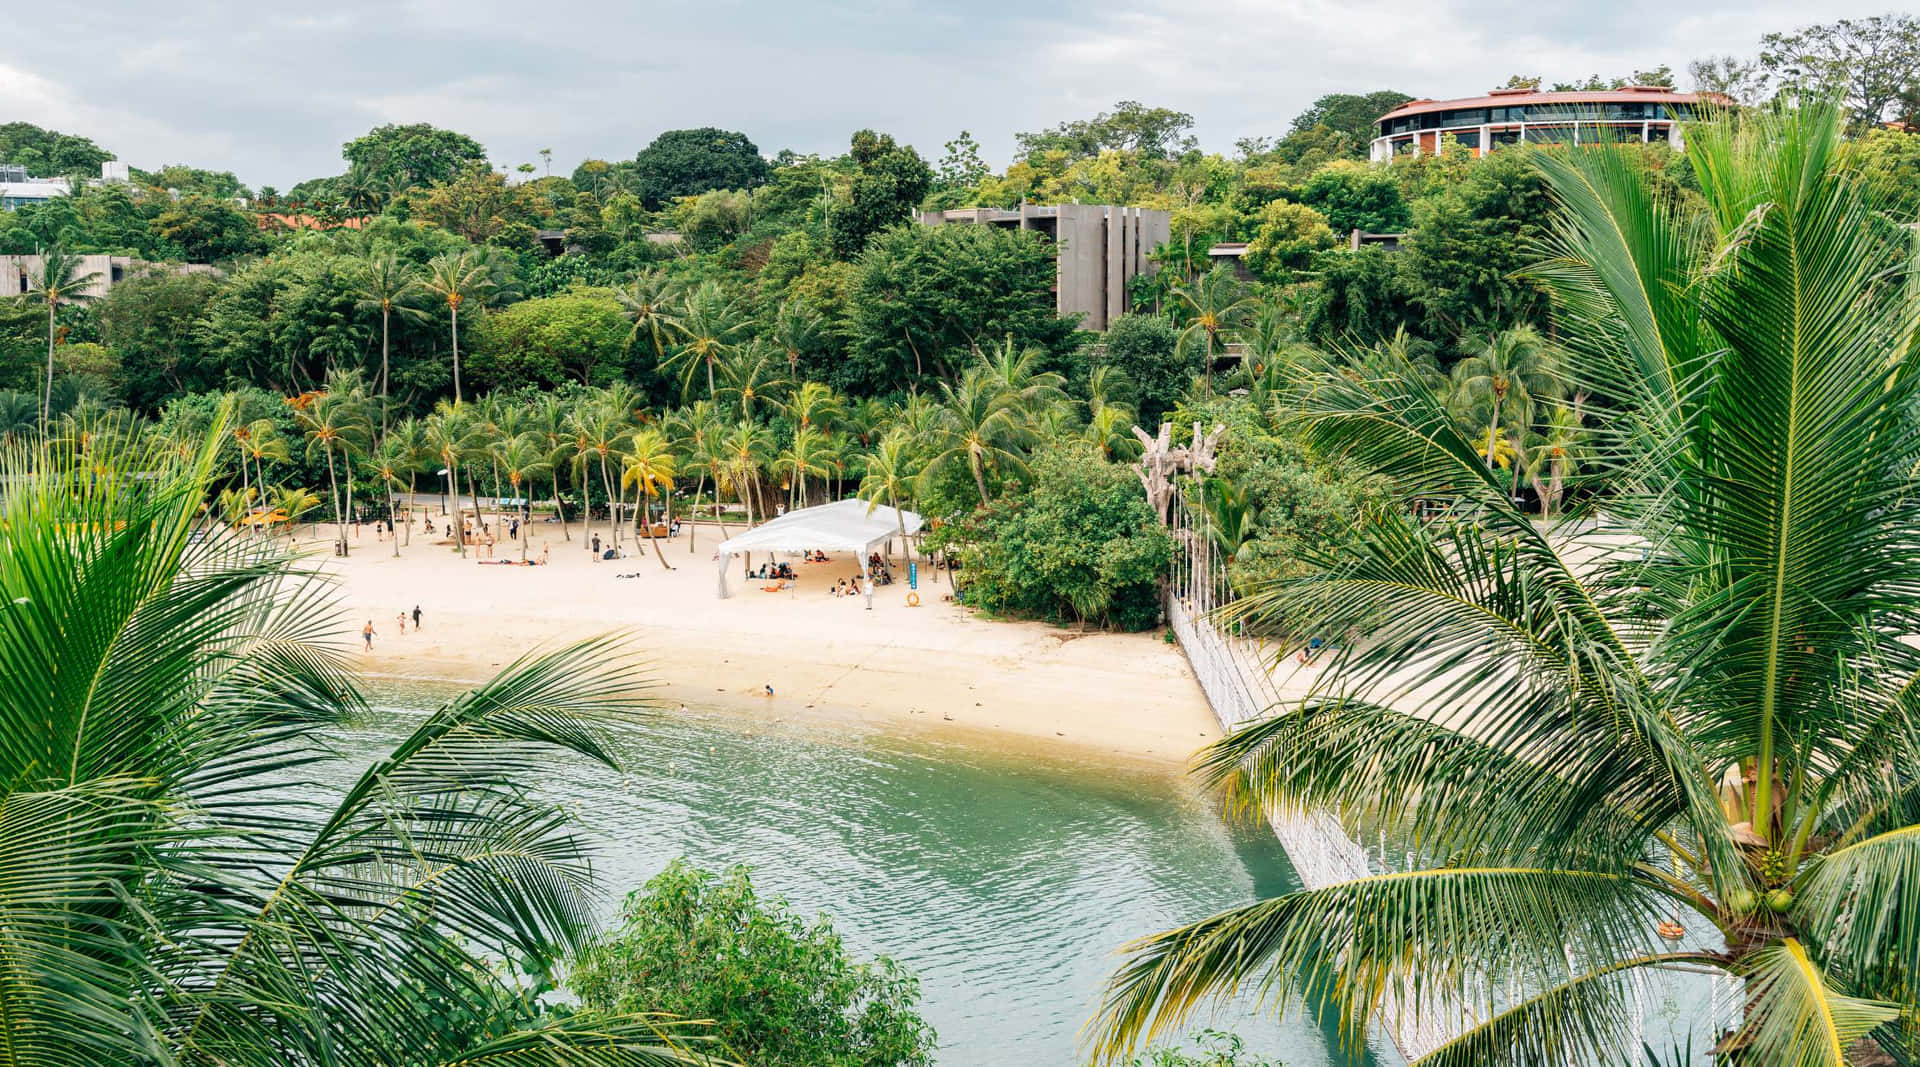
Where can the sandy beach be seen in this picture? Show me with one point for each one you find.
(937, 667)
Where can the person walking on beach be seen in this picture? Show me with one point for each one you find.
(596, 547)
(416, 618)
(400, 620)
(366, 634)
(545, 548)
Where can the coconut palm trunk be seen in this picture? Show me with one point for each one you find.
(454, 304)
(333, 487)
(46, 390)
(693, 517)
(559, 510)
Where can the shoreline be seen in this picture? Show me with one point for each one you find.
(936, 671)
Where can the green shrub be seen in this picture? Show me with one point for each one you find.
(780, 992)
(1077, 544)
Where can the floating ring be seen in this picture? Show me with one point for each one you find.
(913, 600)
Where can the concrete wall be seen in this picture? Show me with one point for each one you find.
(18, 274)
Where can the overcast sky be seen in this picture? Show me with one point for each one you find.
(271, 95)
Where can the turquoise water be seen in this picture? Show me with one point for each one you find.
(1005, 882)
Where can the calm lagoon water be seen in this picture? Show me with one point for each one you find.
(1006, 882)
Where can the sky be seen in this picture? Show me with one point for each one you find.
(270, 92)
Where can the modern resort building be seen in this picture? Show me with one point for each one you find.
(18, 189)
(1102, 247)
(1635, 114)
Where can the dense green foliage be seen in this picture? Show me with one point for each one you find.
(1146, 351)
(925, 299)
(779, 991)
(690, 162)
(50, 153)
(1077, 544)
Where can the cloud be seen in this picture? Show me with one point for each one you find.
(271, 95)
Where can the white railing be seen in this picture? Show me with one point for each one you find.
(1239, 687)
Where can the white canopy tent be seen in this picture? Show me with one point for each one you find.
(842, 526)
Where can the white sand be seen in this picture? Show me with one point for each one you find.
(937, 667)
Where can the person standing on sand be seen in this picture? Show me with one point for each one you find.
(416, 618)
(400, 620)
(545, 548)
(366, 634)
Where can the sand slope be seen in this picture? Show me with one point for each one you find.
(936, 667)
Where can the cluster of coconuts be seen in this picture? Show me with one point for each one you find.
(1745, 901)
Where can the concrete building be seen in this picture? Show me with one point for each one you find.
(17, 189)
(1635, 114)
(18, 273)
(1102, 247)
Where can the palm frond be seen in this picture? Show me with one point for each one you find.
(1795, 1018)
(1448, 935)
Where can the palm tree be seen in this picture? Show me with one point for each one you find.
(1215, 304)
(450, 437)
(385, 286)
(336, 424)
(648, 466)
(257, 440)
(698, 429)
(1034, 390)
(813, 404)
(549, 423)
(796, 330)
(393, 462)
(646, 302)
(744, 452)
(19, 416)
(751, 374)
(294, 503)
(523, 458)
(1558, 449)
(1109, 421)
(600, 428)
(709, 324)
(413, 452)
(60, 278)
(1511, 371)
(1700, 752)
(464, 278)
(889, 477)
(977, 425)
(168, 902)
(809, 453)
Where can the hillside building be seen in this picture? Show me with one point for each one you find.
(1101, 248)
(1641, 114)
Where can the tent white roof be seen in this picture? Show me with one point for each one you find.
(843, 526)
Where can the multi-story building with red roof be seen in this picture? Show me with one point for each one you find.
(1634, 114)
